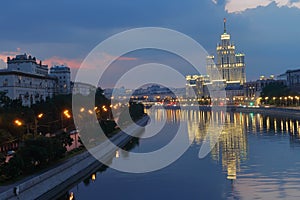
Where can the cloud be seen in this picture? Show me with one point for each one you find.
(5, 54)
(56, 60)
(215, 1)
(126, 58)
(238, 6)
(76, 63)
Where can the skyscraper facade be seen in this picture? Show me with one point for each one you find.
(228, 65)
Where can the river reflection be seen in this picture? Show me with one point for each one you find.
(255, 157)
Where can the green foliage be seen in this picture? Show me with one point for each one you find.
(65, 139)
(13, 168)
(2, 158)
(5, 136)
(276, 90)
(136, 111)
(108, 126)
(41, 150)
(34, 153)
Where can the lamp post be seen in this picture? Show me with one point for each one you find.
(18, 122)
(67, 115)
(285, 98)
(297, 102)
(39, 116)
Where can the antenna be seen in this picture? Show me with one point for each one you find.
(224, 25)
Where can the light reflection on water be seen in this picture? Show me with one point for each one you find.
(258, 158)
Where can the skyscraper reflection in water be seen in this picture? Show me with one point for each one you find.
(232, 146)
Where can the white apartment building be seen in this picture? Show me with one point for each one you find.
(63, 75)
(26, 79)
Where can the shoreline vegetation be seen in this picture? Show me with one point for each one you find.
(52, 183)
(32, 139)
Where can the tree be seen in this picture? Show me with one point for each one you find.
(13, 168)
(5, 136)
(275, 89)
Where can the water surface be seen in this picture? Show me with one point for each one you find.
(256, 157)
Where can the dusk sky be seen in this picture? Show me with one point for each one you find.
(65, 31)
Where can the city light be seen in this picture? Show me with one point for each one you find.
(71, 197)
(104, 109)
(66, 113)
(93, 177)
(18, 122)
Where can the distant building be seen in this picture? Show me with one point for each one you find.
(226, 74)
(118, 93)
(195, 85)
(82, 88)
(153, 92)
(234, 90)
(63, 75)
(27, 80)
(292, 78)
(253, 89)
(228, 65)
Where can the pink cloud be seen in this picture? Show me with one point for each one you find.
(126, 58)
(5, 54)
(74, 63)
(56, 60)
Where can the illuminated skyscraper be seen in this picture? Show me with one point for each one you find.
(228, 65)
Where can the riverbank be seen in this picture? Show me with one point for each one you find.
(293, 113)
(51, 183)
(289, 112)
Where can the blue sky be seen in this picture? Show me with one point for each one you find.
(65, 31)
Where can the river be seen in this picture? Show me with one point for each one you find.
(255, 157)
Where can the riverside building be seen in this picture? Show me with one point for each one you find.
(28, 80)
(228, 65)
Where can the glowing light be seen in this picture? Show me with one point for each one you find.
(66, 113)
(117, 154)
(40, 115)
(18, 122)
(104, 108)
(71, 197)
(93, 177)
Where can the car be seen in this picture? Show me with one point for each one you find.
(10, 153)
(75, 131)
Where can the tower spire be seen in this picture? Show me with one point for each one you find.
(224, 25)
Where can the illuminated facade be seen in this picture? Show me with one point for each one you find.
(195, 85)
(228, 65)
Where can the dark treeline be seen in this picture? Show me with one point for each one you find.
(42, 130)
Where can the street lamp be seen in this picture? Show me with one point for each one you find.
(18, 122)
(39, 116)
(297, 98)
(285, 98)
(67, 115)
